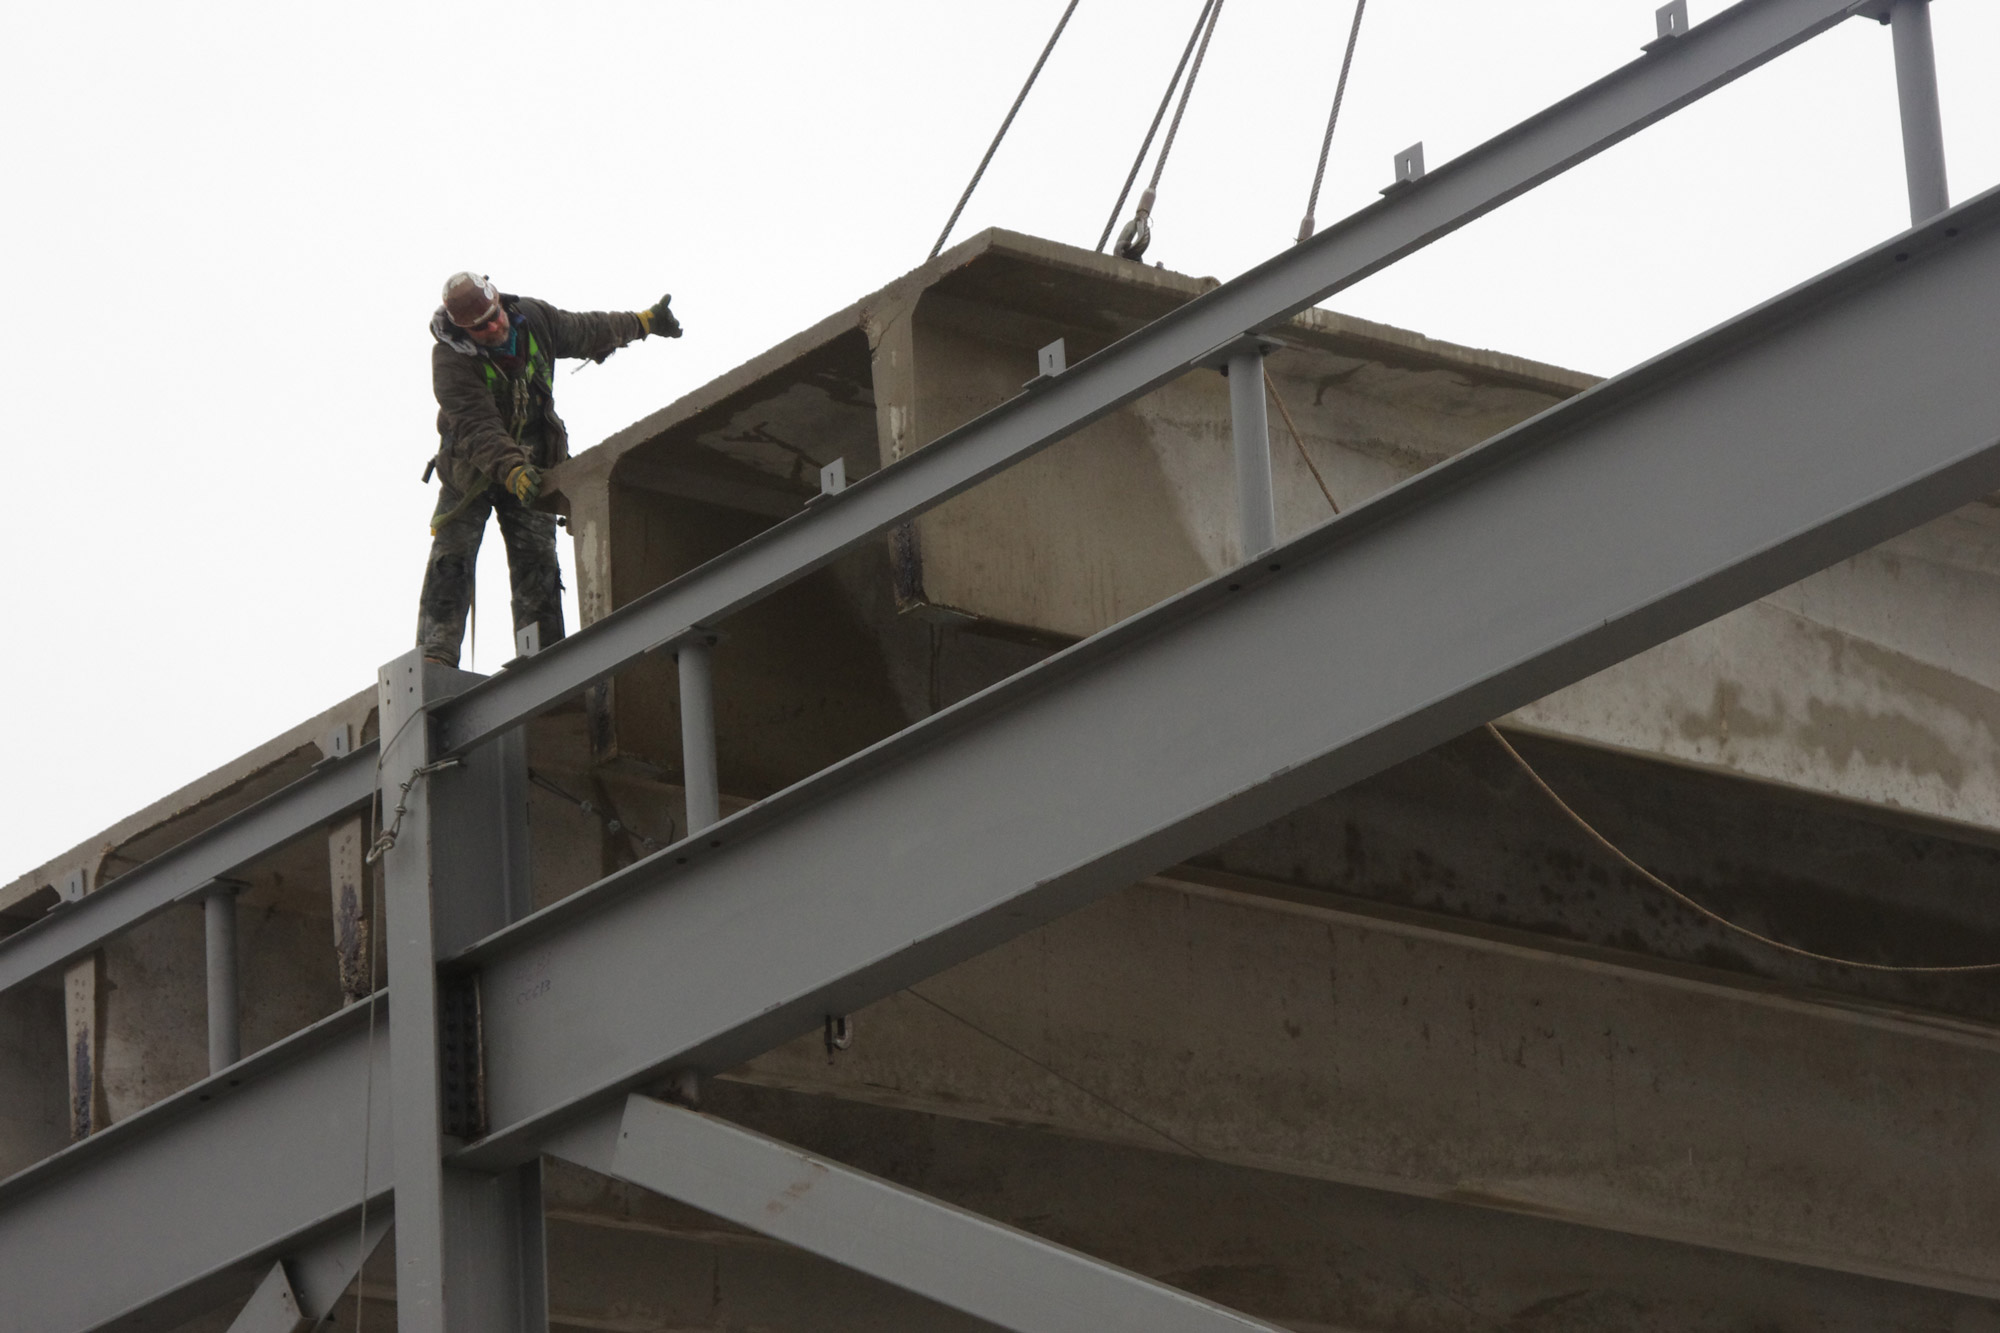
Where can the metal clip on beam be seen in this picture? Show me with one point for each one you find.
(1409, 168)
(1671, 22)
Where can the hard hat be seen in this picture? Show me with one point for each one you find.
(470, 299)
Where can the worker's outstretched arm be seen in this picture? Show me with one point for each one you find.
(592, 334)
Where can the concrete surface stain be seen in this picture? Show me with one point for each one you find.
(1728, 717)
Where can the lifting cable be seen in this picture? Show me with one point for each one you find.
(1200, 21)
(1138, 233)
(1592, 832)
(1339, 91)
(606, 815)
(994, 147)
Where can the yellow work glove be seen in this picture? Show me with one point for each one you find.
(524, 483)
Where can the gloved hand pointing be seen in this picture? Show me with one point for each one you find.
(660, 321)
(524, 483)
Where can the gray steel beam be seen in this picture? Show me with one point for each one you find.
(1726, 47)
(154, 1219)
(1814, 427)
(72, 930)
(956, 1258)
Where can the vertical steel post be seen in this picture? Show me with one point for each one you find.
(470, 1246)
(1923, 123)
(225, 1031)
(1251, 429)
(697, 672)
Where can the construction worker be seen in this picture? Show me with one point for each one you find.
(497, 433)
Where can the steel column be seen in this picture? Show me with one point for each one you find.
(225, 1029)
(468, 1243)
(409, 687)
(956, 1258)
(696, 658)
(1917, 96)
(1731, 44)
(1250, 434)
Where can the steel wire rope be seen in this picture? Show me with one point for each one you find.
(994, 147)
(1591, 831)
(1306, 227)
(1145, 145)
(611, 820)
(1138, 233)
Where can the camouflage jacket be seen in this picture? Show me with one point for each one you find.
(490, 422)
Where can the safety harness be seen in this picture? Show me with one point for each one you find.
(514, 398)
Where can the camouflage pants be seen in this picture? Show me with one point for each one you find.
(530, 537)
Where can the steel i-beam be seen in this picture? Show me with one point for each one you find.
(959, 1259)
(72, 930)
(469, 1245)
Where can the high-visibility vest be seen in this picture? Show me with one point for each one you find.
(514, 398)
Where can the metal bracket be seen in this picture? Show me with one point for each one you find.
(692, 634)
(219, 886)
(75, 885)
(1218, 358)
(527, 642)
(839, 1032)
(1409, 168)
(273, 1308)
(462, 1061)
(1671, 20)
(832, 481)
(1050, 362)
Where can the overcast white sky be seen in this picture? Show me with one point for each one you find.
(226, 226)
